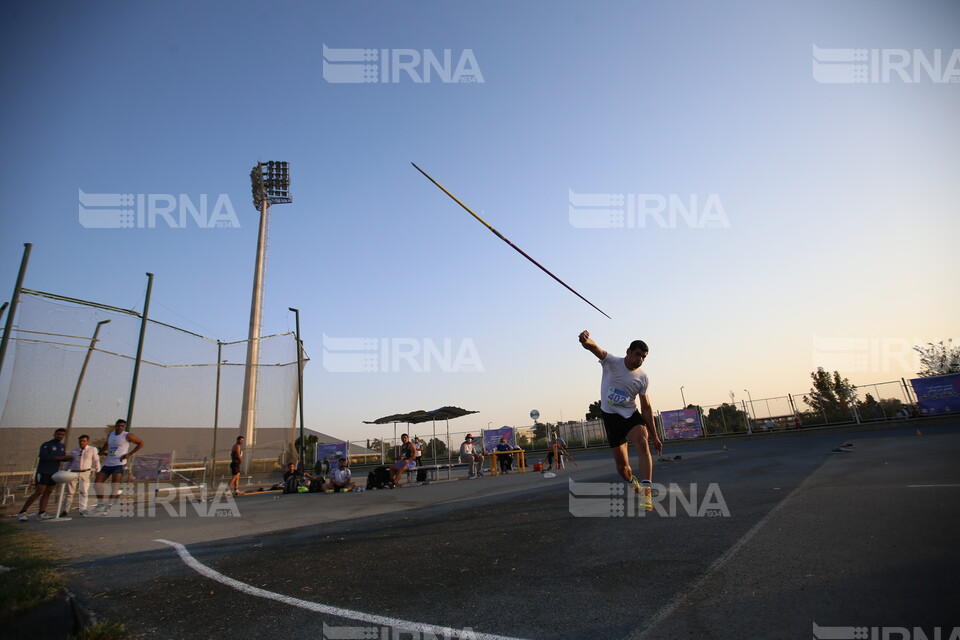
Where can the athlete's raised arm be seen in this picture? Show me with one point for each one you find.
(591, 346)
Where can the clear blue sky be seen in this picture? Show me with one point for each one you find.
(842, 199)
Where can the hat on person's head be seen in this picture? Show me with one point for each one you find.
(469, 435)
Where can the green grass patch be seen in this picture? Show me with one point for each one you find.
(103, 631)
(33, 577)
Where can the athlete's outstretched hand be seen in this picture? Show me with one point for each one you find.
(657, 444)
(591, 346)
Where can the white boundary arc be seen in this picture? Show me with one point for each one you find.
(316, 607)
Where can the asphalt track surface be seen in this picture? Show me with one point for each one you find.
(865, 539)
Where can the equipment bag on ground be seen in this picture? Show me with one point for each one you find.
(379, 478)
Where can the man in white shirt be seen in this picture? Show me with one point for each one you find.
(340, 478)
(115, 463)
(86, 463)
(622, 381)
(470, 455)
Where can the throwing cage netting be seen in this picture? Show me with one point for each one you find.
(177, 391)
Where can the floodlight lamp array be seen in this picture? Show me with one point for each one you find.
(270, 181)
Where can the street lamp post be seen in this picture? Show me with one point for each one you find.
(682, 398)
(303, 444)
(83, 370)
(753, 413)
(271, 185)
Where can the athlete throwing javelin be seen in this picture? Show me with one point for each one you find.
(621, 382)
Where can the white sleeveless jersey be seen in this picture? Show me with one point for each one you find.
(117, 445)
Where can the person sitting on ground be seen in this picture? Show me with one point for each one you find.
(294, 478)
(505, 459)
(406, 462)
(340, 478)
(469, 455)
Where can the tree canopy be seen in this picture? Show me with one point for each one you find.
(938, 358)
(593, 411)
(831, 395)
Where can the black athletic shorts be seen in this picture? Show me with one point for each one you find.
(618, 427)
(235, 467)
(45, 480)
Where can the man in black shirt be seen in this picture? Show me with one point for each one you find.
(292, 477)
(52, 453)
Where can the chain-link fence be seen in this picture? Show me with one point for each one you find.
(868, 402)
(187, 385)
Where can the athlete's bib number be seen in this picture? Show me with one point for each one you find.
(616, 397)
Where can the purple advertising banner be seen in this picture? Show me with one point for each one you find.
(491, 438)
(937, 394)
(332, 452)
(681, 423)
(151, 466)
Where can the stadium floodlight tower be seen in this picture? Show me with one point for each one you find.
(271, 185)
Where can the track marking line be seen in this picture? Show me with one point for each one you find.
(316, 607)
(927, 486)
(670, 608)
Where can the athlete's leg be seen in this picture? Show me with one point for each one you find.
(115, 490)
(99, 491)
(45, 498)
(638, 436)
(622, 460)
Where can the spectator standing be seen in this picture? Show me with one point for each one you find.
(85, 462)
(51, 455)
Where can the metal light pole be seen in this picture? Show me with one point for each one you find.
(270, 182)
(83, 370)
(682, 398)
(753, 413)
(139, 358)
(8, 327)
(303, 444)
(216, 417)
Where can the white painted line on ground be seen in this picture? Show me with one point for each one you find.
(640, 633)
(924, 486)
(444, 632)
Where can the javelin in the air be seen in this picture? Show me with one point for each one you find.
(501, 236)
